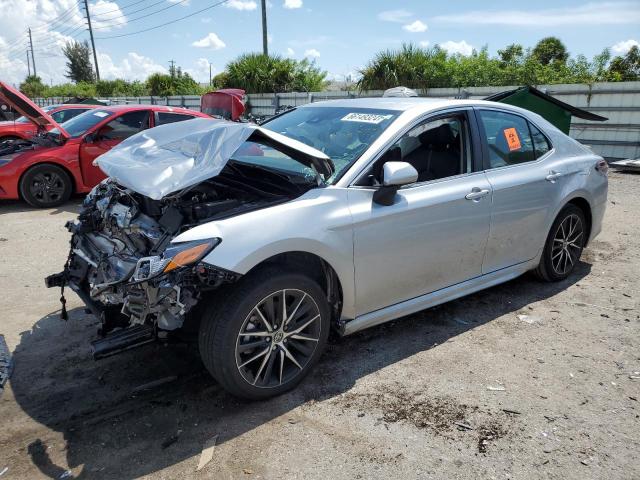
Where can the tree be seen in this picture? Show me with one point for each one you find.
(258, 73)
(550, 50)
(33, 87)
(625, 68)
(79, 68)
(511, 54)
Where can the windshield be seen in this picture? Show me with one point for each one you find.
(46, 109)
(342, 133)
(77, 126)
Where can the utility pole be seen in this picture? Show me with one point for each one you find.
(28, 63)
(33, 59)
(265, 49)
(172, 68)
(93, 44)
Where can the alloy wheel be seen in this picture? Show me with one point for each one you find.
(47, 187)
(567, 244)
(278, 338)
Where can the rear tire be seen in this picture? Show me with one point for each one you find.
(564, 245)
(248, 347)
(46, 186)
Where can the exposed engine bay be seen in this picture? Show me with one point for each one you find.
(121, 262)
(16, 146)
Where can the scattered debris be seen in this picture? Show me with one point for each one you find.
(530, 319)
(512, 412)
(487, 434)
(626, 165)
(207, 452)
(155, 383)
(4, 470)
(65, 474)
(635, 376)
(497, 389)
(463, 426)
(247, 471)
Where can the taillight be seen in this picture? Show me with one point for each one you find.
(603, 167)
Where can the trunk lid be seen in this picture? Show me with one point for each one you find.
(173, 157)
(26, 107)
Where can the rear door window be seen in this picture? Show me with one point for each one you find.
(508, 139)
(162, 118)
(541, 144)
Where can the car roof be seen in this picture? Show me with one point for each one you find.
(65, 106)
(155, 108)
(402, 104)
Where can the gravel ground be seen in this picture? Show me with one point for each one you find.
(524, 380)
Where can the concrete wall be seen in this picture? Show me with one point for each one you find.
(619, 137)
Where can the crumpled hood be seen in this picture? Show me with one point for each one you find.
(172, 157)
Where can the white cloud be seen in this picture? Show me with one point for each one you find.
(242, 4)
(424, 43)
(312, 52)
(185, 4)
(415, 27)
(132, 67)
(461, 47)
(621, 48)
(397, 16)
(106, 16)
(206, 19)
(601, 13)
(211, 41)
(201, 70)
(292, 4)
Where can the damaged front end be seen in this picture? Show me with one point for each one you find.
(121, 262)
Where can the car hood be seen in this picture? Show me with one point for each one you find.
(26, 107)
(172, 157)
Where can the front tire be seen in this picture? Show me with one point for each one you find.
(267, 335)
(46, 186)
(564, 245)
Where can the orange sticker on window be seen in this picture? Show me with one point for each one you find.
(513, 141)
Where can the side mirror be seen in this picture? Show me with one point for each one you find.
(394, 175)
(91, 138)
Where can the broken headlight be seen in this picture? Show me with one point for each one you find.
(175, 256)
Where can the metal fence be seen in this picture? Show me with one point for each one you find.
(618, 137)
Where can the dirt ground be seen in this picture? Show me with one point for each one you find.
(522, 381)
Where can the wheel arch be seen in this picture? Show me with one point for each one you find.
(74, 186)
(584, 205)
(315, 267)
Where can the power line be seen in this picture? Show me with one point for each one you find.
(164, 24)
(102, 14)
(131, 20)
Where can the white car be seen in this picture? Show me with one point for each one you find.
(335, 215)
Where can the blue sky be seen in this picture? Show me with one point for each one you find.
(339, 35)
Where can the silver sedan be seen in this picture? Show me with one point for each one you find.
(335, 215)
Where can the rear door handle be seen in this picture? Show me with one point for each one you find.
(553, 176)
(476, 194)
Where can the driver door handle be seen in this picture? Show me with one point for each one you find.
(476, 194)
(553, 176)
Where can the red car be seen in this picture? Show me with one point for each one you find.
(47, 169)
(23, 128)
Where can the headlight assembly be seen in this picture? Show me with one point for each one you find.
(175, 256)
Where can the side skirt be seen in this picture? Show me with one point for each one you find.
(436, 298)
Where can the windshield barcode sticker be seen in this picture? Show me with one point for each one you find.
(365, 117)
(100, 114)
